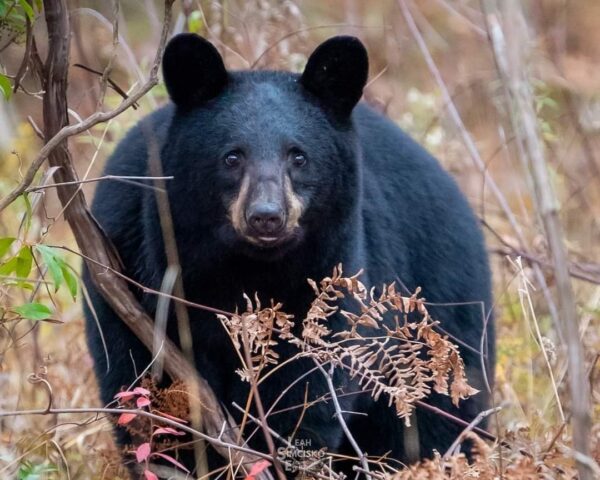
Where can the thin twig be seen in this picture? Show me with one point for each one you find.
(115, 44)
(142, 287)
(476, 421)
(95, 246)
(331, 473)
(94, 119)
(255, 63)
(110, 81)
(472, 149)
(576, 269)
(258, 402)
(123, 178)
(530, 317)
(142, 413)
(340, 417)
(26, 57)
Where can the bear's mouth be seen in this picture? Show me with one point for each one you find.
(263, 247)
(270, 242)
(272, 247)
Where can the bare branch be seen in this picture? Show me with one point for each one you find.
(26, 57)
(340, 417)
(110, 81)
(122, 178)
(258, 402)
(215, 441)
(99, 117)
(509, 41)
(93, 243)
(476, 421)
(472, 149)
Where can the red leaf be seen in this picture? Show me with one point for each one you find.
(142, 402)
(257, 468)
(167, 431)
(142, 391)
(172, 460)
(125, 418)
(124, 396)
(149, 475)
(142, 452)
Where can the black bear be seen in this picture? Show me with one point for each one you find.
(278, 177)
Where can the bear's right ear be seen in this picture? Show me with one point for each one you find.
(193, 70)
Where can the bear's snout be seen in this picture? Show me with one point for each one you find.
(266, 211)
(265, 219)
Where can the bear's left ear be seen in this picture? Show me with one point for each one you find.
(193, 70)
(337, 72)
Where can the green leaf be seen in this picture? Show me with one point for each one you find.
(24, 262)
(54, 264)
(195, 22)
(22, 285)
(27, 8)
(60, 271)
(31, 471)
(70, 280)
(8, 267)
(5, 244)
(5, 86)
(33, 311)
(12, 18)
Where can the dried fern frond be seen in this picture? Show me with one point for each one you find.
(258, 324)
(406, 364)
(456, 467)
(485, 465)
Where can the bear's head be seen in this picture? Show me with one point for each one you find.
(262, 160)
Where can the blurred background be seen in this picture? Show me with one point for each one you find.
(444, 83)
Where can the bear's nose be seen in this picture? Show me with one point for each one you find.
(266, 219)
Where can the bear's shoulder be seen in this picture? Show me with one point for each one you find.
(394, 162)
(117, 201)
(130, 155)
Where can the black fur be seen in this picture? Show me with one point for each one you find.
(374, 199)
(193, 70)
(336, 72)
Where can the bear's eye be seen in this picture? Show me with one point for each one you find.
(232, 159)
(298, 158)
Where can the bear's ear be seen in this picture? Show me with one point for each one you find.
(193, 70)
(337, 72)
